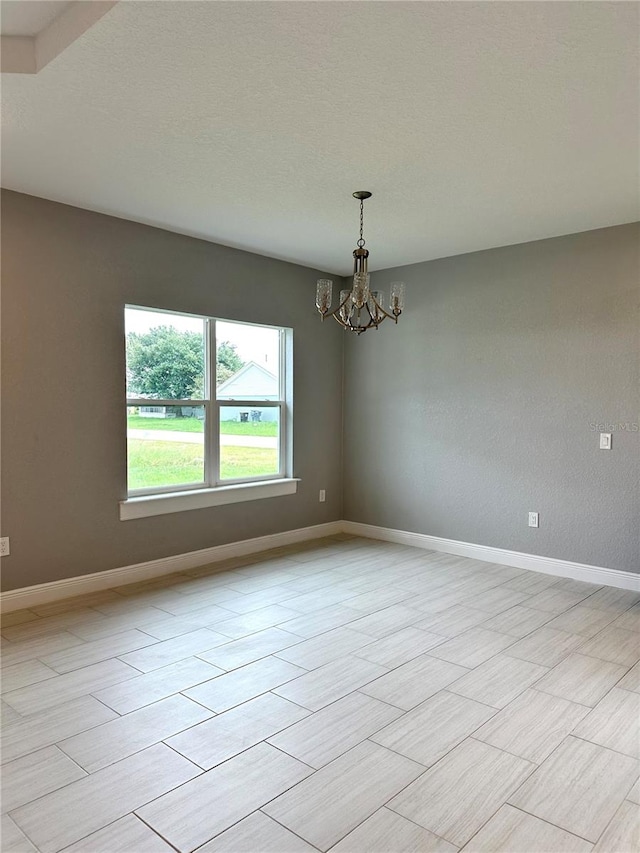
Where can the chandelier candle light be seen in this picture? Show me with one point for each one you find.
(360, 308)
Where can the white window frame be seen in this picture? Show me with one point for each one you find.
(214, 490)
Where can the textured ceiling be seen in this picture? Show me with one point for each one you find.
(20, 18)
(474, 124)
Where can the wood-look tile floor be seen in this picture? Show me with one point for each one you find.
(343, 694)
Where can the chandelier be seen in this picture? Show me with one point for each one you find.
(360, 308)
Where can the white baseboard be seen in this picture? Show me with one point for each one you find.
(32, 596)
(546, 565)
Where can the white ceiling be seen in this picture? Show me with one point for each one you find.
(28, 17)
(250, 123)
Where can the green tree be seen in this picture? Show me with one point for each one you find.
(228, 361)
(165, 363)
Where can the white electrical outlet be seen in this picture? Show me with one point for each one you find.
(322, 496)
(533, 519)
(605, 441)
(4, 547)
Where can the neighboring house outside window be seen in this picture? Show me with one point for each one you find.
(250, 381)
(207, 405)
(152, 411)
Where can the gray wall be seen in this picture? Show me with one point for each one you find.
(67, 274)
(474, 410)
(477, 407)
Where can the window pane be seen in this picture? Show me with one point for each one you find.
(247, 362)
(165, 446)
(165, 355)
(248, 441)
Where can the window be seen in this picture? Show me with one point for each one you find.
(207, 406)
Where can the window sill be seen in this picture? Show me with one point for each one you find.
(148, 505)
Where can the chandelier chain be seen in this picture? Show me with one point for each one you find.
(361, 240)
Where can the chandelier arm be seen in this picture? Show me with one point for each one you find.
(336, 312)
(393, 317)
(359, 328)
(363, 327)
(352, 327)
(381, 314)
(338, 319)
(370, 325)
(372, 319)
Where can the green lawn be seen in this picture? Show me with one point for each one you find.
(173, 424)
(247, 461)
(268, 428)
(160, 463)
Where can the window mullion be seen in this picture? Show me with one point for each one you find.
(152, 401)
(216, 443)
(259, 404)
(211, 450)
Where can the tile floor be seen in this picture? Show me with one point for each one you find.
(344, 694)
